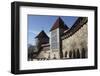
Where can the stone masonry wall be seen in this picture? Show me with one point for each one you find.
(77, 41)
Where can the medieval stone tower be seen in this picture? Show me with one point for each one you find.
(56, 31)
(41, 39)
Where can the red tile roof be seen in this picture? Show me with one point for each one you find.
(59, 24)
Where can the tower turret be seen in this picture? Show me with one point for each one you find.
(41, 38)
(56, 31)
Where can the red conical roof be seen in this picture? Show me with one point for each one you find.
(59, 24)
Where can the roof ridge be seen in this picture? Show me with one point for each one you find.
(75, 27)
(59, 23)
(42, 34)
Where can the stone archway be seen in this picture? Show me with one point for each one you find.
(74, 54)
(70, 54)
(66, 54)
(78, 53)
(83, 53)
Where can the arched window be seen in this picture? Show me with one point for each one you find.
(78, 53)
(66, 54)
(74, 55)
(83, 53)
(70, 54)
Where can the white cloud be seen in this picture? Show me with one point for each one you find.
(34, 32)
